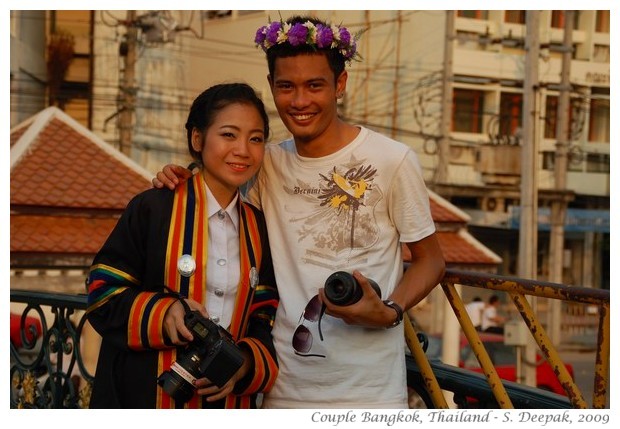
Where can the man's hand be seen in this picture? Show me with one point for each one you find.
(369, 311)
(174, 325)
(214, 393)
(171, 175)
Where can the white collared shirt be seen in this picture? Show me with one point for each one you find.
(223, 263)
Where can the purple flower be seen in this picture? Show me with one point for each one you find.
(260, 35)
(324, 36)
(350, 52)
(297, 34)
(345, 36)
(272, 32)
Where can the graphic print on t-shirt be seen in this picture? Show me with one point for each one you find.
(335, 217)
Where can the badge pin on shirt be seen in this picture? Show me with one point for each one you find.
(186, 265)
(253, 278)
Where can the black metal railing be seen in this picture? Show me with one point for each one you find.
(47, 369)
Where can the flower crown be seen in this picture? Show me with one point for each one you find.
(318, 36)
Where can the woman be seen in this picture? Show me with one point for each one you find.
(197, 250)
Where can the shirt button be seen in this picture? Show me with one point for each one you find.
(219, 292)
(221, 262)
(215, 319)
(221, 214)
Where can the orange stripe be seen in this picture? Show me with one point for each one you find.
(174, 240)
(135, 316)
(259, 367)
(254, 235)
(156, 337)
(200, 240)
(166, 357)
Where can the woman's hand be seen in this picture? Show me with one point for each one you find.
(215, 393)
(174, 323)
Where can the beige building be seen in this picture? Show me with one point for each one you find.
(134, 74)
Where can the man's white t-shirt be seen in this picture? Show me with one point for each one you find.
(345, 211)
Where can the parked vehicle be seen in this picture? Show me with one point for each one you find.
(32, 329)
(504, 358)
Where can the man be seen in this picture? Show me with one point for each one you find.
(336, 197)
(491, 321)
(474, 310)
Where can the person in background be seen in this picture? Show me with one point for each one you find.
(337, 196)
(474, 310)
(199, 248)
(491, 321)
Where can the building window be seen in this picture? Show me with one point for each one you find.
(599, 121)
(216, 14)
(602, 21)
(558, 19)
(600, 54)
(510, 113)
(551, 117)
(597, 163)
(467, 110)
(72, 90)
(473, 14)
(514, 16)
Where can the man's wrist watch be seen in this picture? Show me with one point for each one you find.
(399, 312)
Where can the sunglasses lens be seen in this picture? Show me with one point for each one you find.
(313, 309)
(302, 339)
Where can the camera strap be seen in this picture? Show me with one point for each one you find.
(179, 297)
(248, 238)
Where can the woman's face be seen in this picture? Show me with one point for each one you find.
(232, 149)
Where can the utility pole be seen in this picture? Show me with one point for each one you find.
(528, 226)
(396, 82)
(443, 147)
(128, 85)
(558, 205)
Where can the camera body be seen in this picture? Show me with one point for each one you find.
(212, 354)
(341, 288)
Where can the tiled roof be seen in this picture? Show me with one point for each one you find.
(444, 211)
(461, 248)
(58, 163)
(59, 234)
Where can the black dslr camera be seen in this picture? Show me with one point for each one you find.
(212, 354)
(341, 288)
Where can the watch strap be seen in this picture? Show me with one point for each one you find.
(399, 312)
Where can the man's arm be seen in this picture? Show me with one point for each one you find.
(171, 175)
(423, 274)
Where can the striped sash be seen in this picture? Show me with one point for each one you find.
(188, 234)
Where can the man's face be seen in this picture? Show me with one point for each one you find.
(304, 91)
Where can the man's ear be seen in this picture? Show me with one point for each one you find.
(341, 82)
(197, 140)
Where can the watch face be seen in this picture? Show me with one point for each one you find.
(186, 265)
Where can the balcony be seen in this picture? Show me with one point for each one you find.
(48, 368)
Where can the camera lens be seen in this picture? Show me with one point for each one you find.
(341, 288)
(176, 382)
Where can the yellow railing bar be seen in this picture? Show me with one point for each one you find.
(430, 381)
(601, 366)
(495, 382)
(548, 350)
